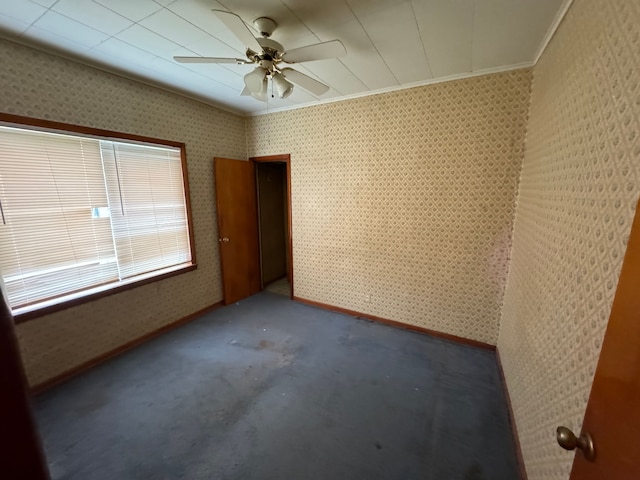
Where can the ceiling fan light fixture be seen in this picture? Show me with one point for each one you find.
(254, 80)
(262, 94)
(284, 86)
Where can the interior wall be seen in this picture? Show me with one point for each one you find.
(407, 197)
(41, 85)
(271, 178)
(578, 193)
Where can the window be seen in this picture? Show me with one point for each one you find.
(84, 214)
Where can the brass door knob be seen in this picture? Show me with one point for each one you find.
(568, 440)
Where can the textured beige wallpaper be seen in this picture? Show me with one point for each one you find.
(40, 85)
(407, 197)
(578, 192)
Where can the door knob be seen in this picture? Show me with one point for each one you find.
(568, 440)
(223, 239)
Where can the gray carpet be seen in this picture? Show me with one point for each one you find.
(274, 389)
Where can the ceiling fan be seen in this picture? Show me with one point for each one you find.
(269, 55)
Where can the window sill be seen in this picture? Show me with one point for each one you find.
(41, 309)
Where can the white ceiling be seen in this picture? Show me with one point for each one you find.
(390, 44)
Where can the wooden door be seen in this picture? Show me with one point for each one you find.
(235, 185)
(21, 454)
(613, 412)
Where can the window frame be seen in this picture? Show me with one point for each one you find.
(59, 127)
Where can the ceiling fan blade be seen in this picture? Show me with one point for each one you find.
(234, 23)
(254, 80)
(238, 61)
(305, 81)
(318, 51)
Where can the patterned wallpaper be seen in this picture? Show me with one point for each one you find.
(407, 197)
(40, 85)
(578, 191)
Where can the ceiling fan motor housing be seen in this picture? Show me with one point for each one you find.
(271, 54)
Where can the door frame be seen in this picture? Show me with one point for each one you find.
(286, 159)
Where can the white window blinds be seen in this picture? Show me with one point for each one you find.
(80, 212)
(148, 214)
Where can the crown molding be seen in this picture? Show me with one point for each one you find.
(562, 12)
(395, 88)
(177, 91)
(564, 8)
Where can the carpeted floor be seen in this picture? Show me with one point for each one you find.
(274, 389)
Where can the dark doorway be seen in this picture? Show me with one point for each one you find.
(272, 181)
